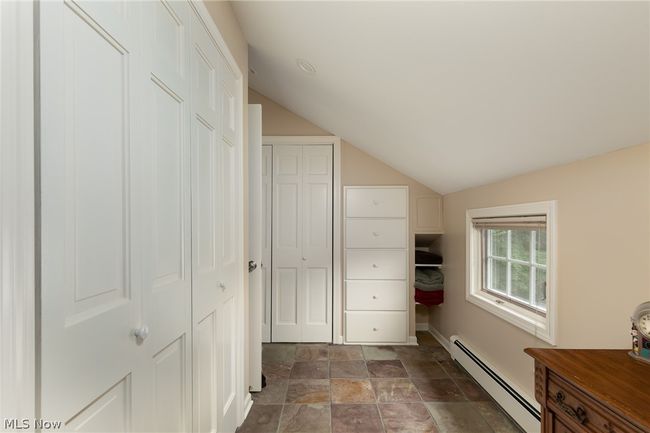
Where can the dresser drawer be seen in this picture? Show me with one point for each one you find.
(375, 233)
(375, 295)
(375, 327)
(375, 265)
(575, 408)
(376, 202)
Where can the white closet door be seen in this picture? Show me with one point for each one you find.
(206, 227)
(302, 244)
(315, 297)
(167, 258)
(287, 242)
(267, 201)
(91, 285)
(231, 285)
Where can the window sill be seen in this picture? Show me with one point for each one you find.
(526, 320)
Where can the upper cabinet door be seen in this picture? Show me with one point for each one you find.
(427, 214)
(388, 202)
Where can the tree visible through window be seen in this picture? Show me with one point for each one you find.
(515, 265)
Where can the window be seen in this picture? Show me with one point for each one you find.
(510, 265)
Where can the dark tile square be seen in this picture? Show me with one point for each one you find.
(262, 419)
(395, 390)
(352, 391)
(310, 370)
(424, 369)
(312, 352)
(472, 390)
(389, 368)
(438, 389)
(308, 391)
(407, 418)
(305, 418)
(356, 418)
(348, 369)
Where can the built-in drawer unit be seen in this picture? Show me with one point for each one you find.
(376, 326)
(375, 265)
(369, 202)
(369, 295)
(375, 233)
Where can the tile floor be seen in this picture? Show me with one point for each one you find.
(320, 388)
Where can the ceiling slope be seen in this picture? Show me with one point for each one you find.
(458, 94)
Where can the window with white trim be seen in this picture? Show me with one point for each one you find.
(511, 264)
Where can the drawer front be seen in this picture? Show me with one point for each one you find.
(375, 327)
(369, 233)
(375, 265)
(558, 427)
(376, 202)
(375, 295)
(575, 408)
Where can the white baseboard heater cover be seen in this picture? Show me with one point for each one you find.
(522, 408)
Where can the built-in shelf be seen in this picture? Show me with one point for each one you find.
(427, 266)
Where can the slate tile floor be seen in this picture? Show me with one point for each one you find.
(320, 388)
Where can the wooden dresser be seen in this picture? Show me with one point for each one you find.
(599, 391)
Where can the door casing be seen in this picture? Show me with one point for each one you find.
(337, 314)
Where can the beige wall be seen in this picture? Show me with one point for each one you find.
(603, 257)
(357, 167)
(225, 19)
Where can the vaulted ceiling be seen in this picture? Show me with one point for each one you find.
(458, 94)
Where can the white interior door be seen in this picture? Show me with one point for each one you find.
(167, 363)
(302, 244)
(267, 229)
(230, 320)
(255, 241)
(91, 281)
(316, 290)
(206, 223)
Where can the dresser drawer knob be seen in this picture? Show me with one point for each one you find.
(374, 266)
(374, 297)
(375, 202)
(375, 329)
(578, 414)
(375, 234)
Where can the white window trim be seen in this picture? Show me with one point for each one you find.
(544, 328)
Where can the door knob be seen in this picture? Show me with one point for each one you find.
(141, 333)
(221, 285)
(252, 265)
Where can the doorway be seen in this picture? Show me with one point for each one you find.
(301, 239)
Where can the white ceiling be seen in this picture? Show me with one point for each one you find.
(458, 94)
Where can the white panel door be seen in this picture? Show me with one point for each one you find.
(167, 235)
(267, 213)
(206, 226)
(230, 330)
(287, 243)
(217, 233)
(315, 297)
(302, 244)
(90, 216)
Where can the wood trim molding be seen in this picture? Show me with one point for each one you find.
(17, 212)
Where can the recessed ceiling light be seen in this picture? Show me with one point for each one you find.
(306, 67)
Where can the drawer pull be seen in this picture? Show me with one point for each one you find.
(375, 202)
(374, 297)
(578, 414)
(375, 329)
(375, 234)
(374, 266)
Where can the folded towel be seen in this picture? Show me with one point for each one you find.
(429, 298)
(429, 276)
(428, 287)
(427, 258)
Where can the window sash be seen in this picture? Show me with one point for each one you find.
(489, 259)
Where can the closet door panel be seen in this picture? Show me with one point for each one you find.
(91, 280)
(315, 298)
(287, 242)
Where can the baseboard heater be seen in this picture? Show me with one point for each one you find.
(522, 408)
